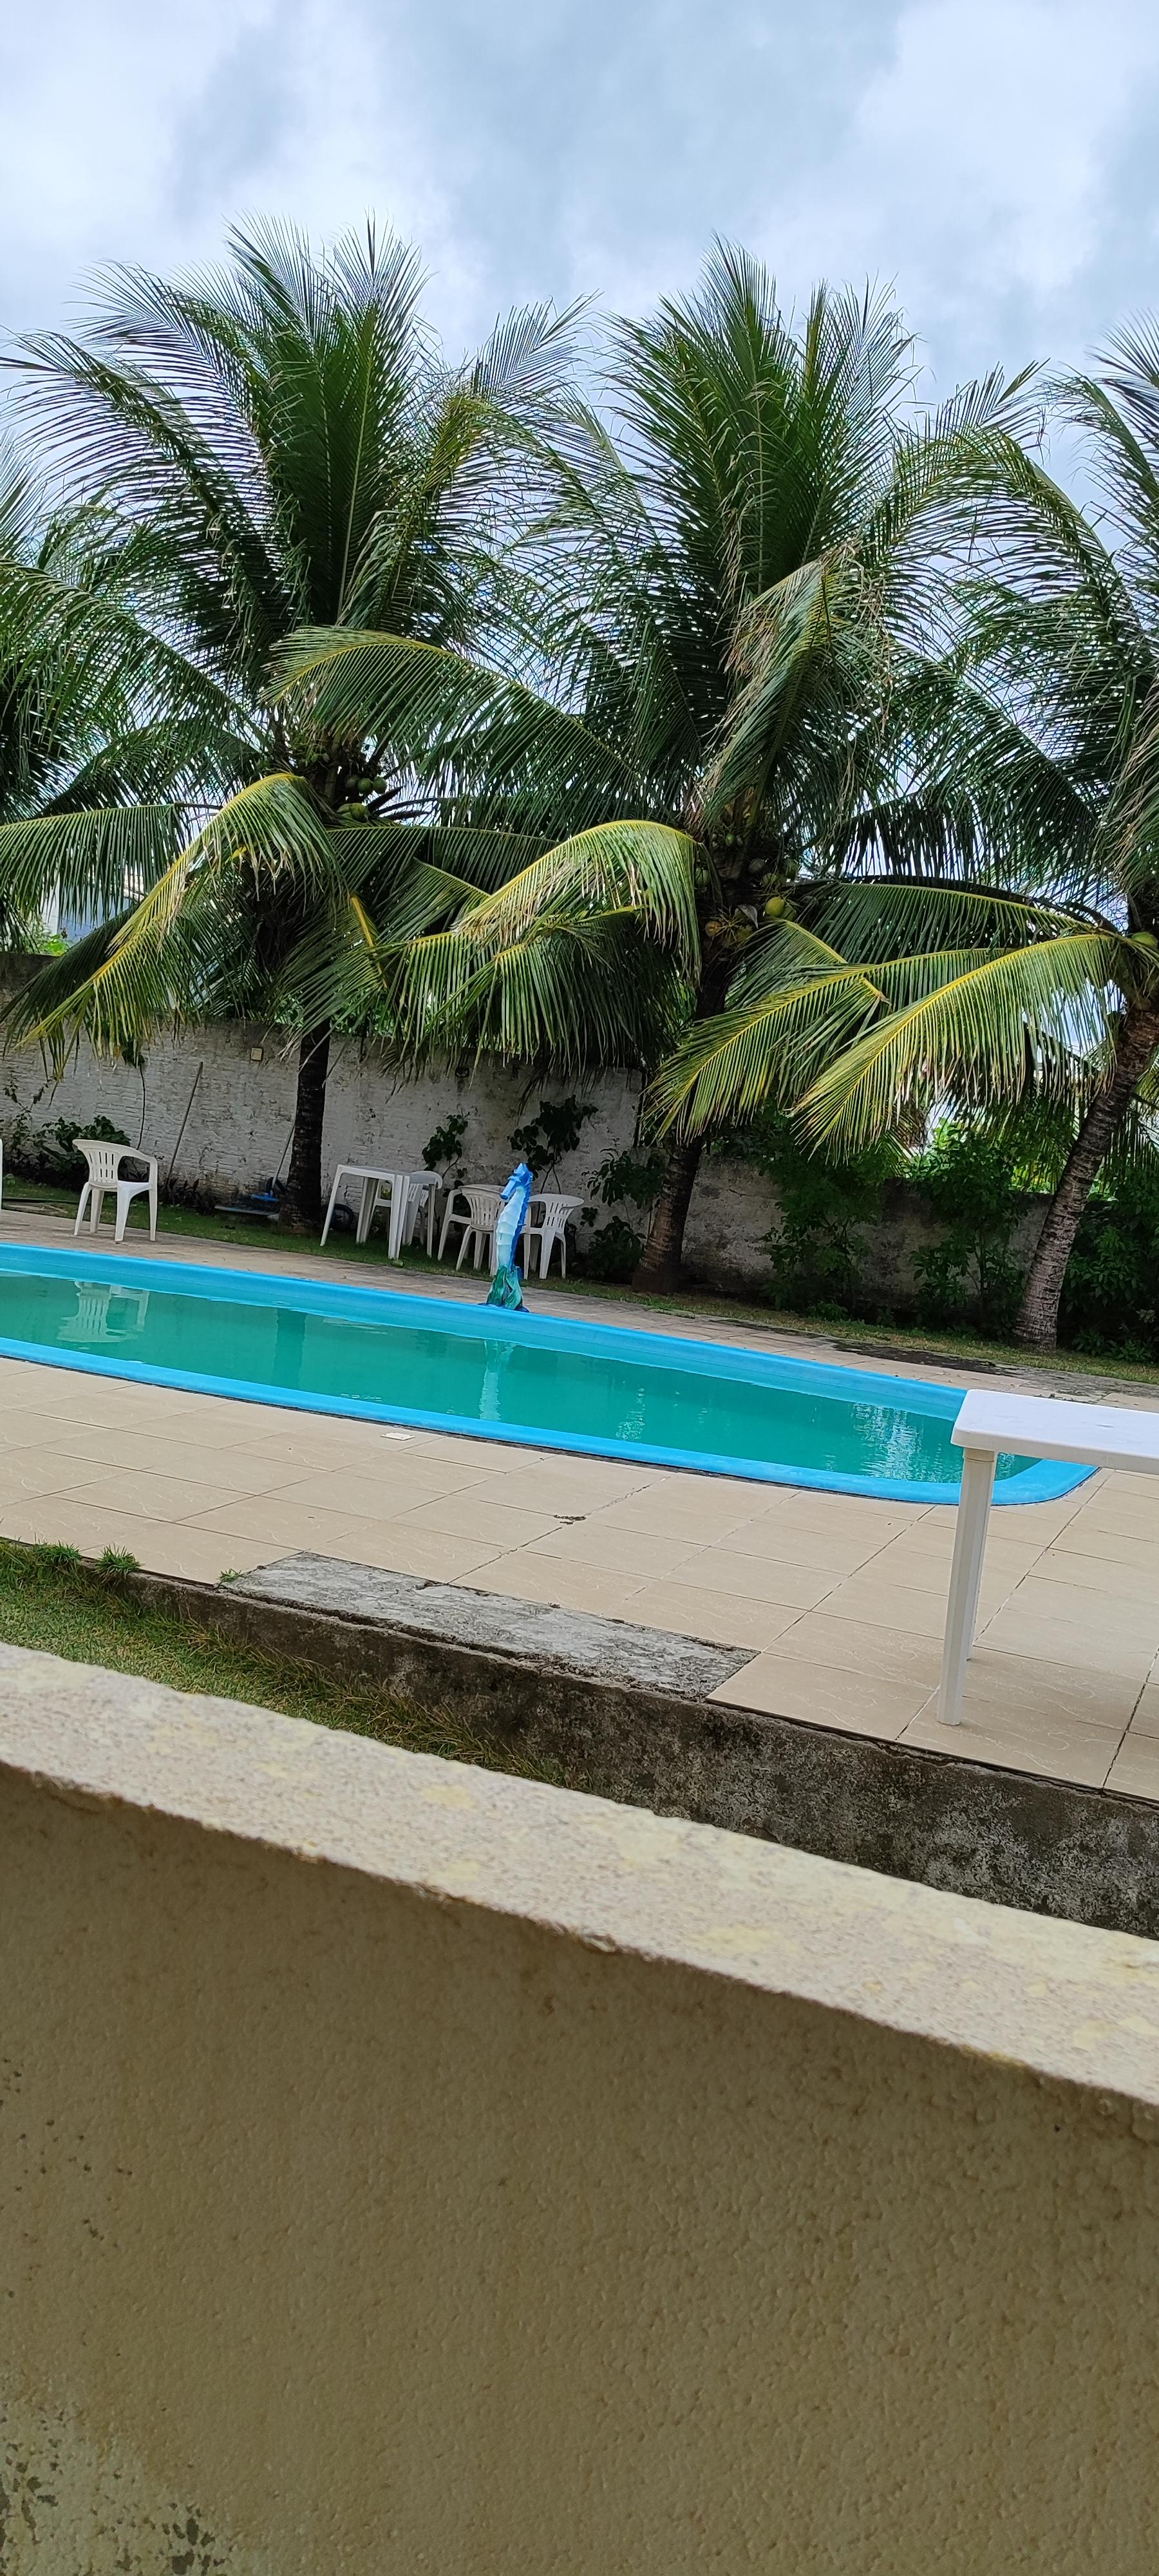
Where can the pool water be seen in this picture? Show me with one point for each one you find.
(431, 1362)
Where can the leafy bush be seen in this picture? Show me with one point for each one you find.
(1110, 1300)
(818, 1250)
(971, 1179)
(442, 1150)
(613, 1252)
(49, 1153)
(554, 1132)
(632, 1180)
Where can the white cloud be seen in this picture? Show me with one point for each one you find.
(983, 168)
(990, 156)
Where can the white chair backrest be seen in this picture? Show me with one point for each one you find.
(104, 1161)
(554, 1206)
(482, 1205)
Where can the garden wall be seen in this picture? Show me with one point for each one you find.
(216, 1105)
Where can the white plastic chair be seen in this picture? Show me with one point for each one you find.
(478, 1220)
(548, 1228)
(422, 1196)
(104, 1162)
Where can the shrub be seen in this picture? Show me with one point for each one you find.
(552, 1133)
(971, 1180)
(442, 1150)
(632, 1180)
(49, 1153)
(1110, 1299)
(817, 1251)
(613, 1252)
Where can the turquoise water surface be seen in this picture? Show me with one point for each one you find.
(465, 1368)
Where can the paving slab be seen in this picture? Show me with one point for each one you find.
(538, 1633)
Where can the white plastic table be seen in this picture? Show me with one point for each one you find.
(377, 1188)
(1033, 1426)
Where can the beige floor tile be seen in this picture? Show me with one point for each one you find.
(162, 1547)
(24, 1427)
(1135, 1769)
(1012, 1740)
(1037, 1520)
(1107, 1580)
(47, 1521)
(888, 1605)
(781, 1541)
(622, 1552)
(308, 1453)
(853, 1646)
(697, 1517)
(780, 1685)
(174, 1548)
(289, 1528)
(1087, 1537)
(1095, 1611)
(928, 1569)
(152, 1453)
(1145, 1716)
(462, 1516)
(563, 1484)
(42, 1471)
(569, 1587)
(1085, 1650)
(213, 1416)
(812, 1507)
(935, 1534)
(101, 1399)
(758, 1578)
(158, 1498)
(25, 1381)
(1114, 1506)
(399, 1549)
(382, 1495)
(1026, 1686)
(476, 1457)
(723, 1619)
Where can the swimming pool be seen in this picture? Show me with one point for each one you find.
(439, 1365)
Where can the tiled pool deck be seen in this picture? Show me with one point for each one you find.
(842, 1601)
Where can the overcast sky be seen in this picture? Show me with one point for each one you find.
(994, 158)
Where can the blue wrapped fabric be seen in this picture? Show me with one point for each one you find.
(507, 1284)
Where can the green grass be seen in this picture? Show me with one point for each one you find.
(54, 1603)
(911, 1341)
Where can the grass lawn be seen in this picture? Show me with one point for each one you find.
(51, 1602)
(908, 1341)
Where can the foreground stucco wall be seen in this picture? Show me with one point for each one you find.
(403, 2168)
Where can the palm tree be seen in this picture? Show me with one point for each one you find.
(69, 721)
(283, 446)
(721, 593)
(1041, 976)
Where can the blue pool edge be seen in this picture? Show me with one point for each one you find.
(1046, 1480)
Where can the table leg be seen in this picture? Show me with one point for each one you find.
(399, 1202)
(330, 1207)
(366, 1210)
(965, 1579)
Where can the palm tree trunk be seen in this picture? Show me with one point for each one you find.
(1038, 1317)
(301, 1207)
(662, 1265)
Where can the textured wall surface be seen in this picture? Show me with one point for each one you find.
(405, 2168)
(238, 1127)
(238, 1131)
